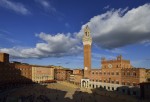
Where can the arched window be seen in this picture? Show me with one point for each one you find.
(86, 33)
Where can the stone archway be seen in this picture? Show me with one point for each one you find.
(84, 83)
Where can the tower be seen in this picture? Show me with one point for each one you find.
(4, 57)
(87, 41)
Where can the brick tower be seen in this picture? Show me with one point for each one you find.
(4, 57)
(87, 41)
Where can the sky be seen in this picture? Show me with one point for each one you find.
(49, 32)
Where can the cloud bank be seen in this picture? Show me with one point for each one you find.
(52, 46)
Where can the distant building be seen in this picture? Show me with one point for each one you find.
(12, 74)
(25, 70)
(76, 76)
(62, 74)
(4, 57)
(42, 73)
(56, 67)
(148, 75)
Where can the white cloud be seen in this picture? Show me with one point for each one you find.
(46, 5)
(53, 46)
(17, 7)
(117, 51)
(111, 30)
(117, 28)
(106, 7)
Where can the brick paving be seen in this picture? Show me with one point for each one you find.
(64, 92)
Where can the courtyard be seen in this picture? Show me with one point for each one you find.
(63, 92)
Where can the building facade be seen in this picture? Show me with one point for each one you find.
(12, 74)
(25, 71)
(41, 74)
(76, 76)
(148, 75)
(62, 74)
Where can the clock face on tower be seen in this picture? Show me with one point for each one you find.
(109, 65)
(85, 68)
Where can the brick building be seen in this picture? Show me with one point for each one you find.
(4, 57)
(62, 74)
(148, 75)
(12, 74)
(25, 70)
(113, 74)
(42, 74)
(76, 76)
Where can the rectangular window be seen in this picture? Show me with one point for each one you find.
(117, 82)
(100, 73)
(123, 83)
(100, 80)
(112, 73)
(117, 73)
(128, 83)
(134, 74)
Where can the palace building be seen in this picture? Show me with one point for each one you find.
(113, 74)
(42, 73)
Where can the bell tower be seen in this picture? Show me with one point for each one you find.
(87, 41)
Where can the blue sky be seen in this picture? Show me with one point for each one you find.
(49, 32)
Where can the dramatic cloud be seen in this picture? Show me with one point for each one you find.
(17, 7)
(52, 46)
(118, 28)
(111, 30)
